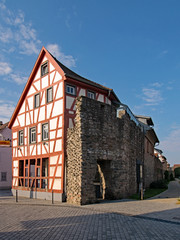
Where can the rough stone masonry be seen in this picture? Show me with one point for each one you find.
(105, 147)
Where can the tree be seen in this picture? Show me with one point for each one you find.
(177, 172)
(166, 175)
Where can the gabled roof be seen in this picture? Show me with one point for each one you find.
(145, 119)
(69, 73)
(4, 126)
(66, 72)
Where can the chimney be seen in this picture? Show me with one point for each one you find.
(1, 123)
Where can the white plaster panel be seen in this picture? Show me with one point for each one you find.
(43, 149)
(44, 59)
(60, 122)
(49, 107)
(22, 110)
(43, 99)
(25, 141)
(101, 98)
(52, 169)
(59, 133)
(25, 131)
(53, 160)
(58, 77)
(14, 151)
(52, 135)
(14, 134)
(39, 128)
(22, 120)
(50, 183)
(39, 138)
(51, 77)
(15, 182)
(32, 90)
(69, 102)
(58, 146)
(30, 148)
(42, 114)
(60, 159)
(53, 124)
(36, 114)
(14, 143)
(30, 103)
(39, 149)
(27, 119)
(82, 92)
(71, 112)
(34, 150)
(58, 108)
(71, 125)
(16, 123)
(58, 172)
(37, 85)
(15, 172)
(15, 163)
(54, 89)
(31, 115)
(51, 146)
(60, 91)
(51, 67)
(25, 151)
(37, 74)
(57, 184)
(44, 81)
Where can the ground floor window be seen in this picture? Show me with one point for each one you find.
(33, 173)
(3, 176)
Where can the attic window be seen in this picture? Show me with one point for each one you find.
(91, 94)
(44, 69)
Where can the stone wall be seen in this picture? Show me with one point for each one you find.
(102, 143)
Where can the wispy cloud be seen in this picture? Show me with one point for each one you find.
(6, 110)
(151, 96)
(163, 53)
(17, 32)
(18, 78)
(171, 143)
(5, 68)
(68, 60)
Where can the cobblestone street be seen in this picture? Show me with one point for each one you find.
(37, 219)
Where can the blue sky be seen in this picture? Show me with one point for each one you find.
(132, 46)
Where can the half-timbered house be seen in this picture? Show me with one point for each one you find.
(46, 109)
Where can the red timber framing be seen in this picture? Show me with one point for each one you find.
(39, 164)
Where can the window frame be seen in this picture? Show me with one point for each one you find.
(2, 178)
(30, 138)
(91, 92)
(38, 94)
(42, 67)
(42, 134)
(19, 138)
(71, 86)
(47, 101)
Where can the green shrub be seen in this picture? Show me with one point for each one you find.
(166, 175)
(171, 177)
(159, 184)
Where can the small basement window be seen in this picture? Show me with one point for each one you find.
(70, 90)
(91, 94)
(44, 69)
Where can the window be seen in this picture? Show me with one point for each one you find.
(45, 131)
(21, 137)
(49, 95)
(91, 94)
(37, 100)
(71, 90)
(32, 135)
(4, 176)
(44, 69)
